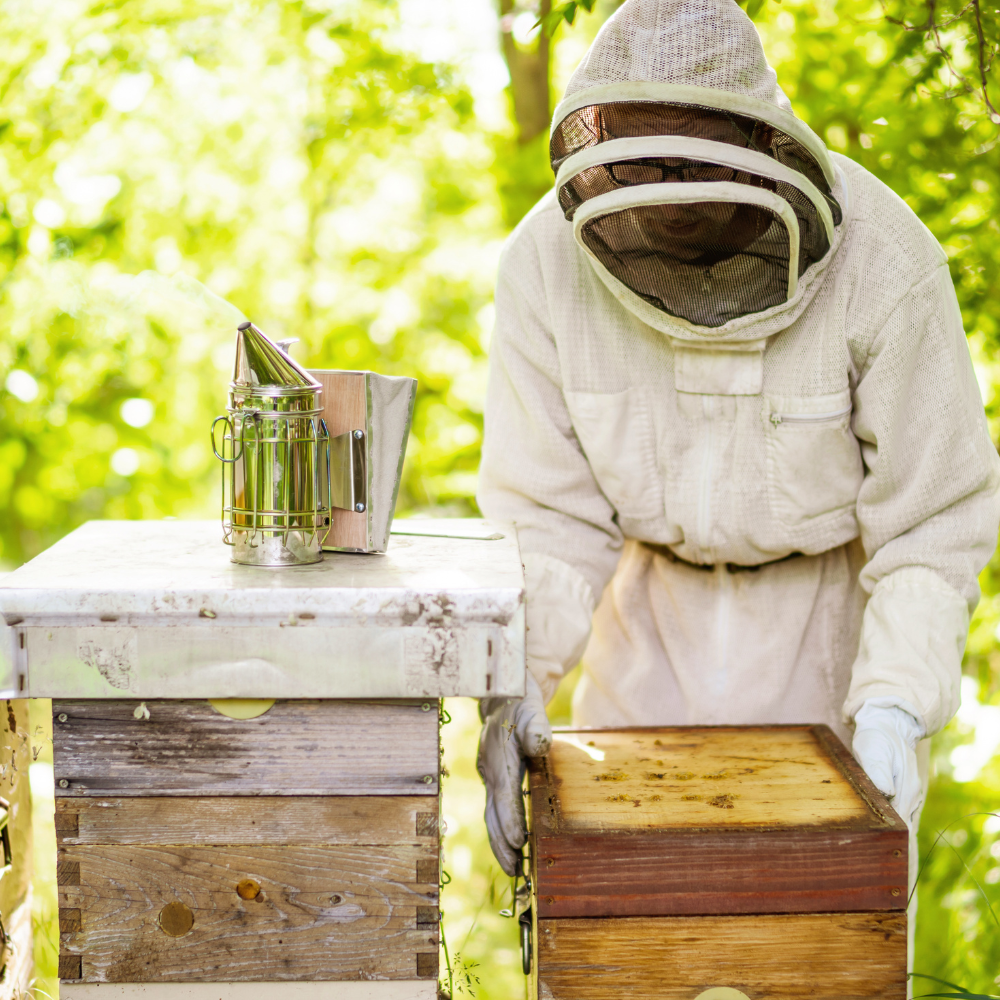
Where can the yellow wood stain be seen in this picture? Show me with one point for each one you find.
(241, 708)
(175, 919)
(662, 779)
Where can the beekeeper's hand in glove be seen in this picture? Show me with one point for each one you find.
(513, 729)
(885, 743)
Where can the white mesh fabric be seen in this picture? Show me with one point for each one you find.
(704, 43)
(589, 442)
(579, 176)
(693, 68)
(742, 267)
(632, 109)
(623, 195)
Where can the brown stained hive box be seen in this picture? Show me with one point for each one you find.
(667, 862)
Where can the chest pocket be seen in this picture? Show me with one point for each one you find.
(814, 462)
(618, 436)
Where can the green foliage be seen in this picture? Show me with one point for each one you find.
(45, 896)
(959, 911)
(753, 7)
(964, 33)
(564, 12)
(287, 155)
(485, 959)
(522, 174)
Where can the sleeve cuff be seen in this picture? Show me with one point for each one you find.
(560, 604)
(912, 639)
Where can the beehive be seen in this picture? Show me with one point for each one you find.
(203, 857)
(300, 845)
(669, 862)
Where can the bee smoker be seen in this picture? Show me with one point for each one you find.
(275, 451)
(311, 459)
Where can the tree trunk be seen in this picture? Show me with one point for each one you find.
(529, 75)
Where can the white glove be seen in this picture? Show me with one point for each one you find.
(513, 728)
(885, 743)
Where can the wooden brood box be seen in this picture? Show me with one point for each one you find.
(666, 862)
(299, 845)
(327, 803)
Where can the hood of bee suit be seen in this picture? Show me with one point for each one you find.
(704, 204)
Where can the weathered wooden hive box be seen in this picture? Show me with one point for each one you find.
(670, 862)
(299, 845)
(247, 759)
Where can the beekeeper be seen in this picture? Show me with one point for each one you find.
(732, 411)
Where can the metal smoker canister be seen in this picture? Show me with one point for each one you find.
(276, 455)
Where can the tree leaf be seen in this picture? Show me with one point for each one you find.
(564, 12)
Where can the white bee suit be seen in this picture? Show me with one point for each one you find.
(845, 424)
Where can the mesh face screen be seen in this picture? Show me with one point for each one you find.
(598, 123)
(605, 177)
(707, 262)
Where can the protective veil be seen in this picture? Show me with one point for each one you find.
(692, 203)
(750, 471)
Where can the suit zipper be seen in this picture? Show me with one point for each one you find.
(705, 484)
(722, 611)
(805, 418)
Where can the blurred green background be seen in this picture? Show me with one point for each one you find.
(345, 171)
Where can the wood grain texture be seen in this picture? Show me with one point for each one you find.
(323, 913)
(720, 872)
(70, 966)
(414, 989)
(823, 956)
(345, 408)
(297, 748)
(67, 872)
(345, 404)
(797, 831)
(694, 777)
(855, 774)
(300, 820)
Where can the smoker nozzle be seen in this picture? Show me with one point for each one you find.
(262, 363)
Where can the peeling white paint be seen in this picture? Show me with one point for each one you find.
(157, 610)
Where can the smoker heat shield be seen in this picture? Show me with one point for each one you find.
(369, 419)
